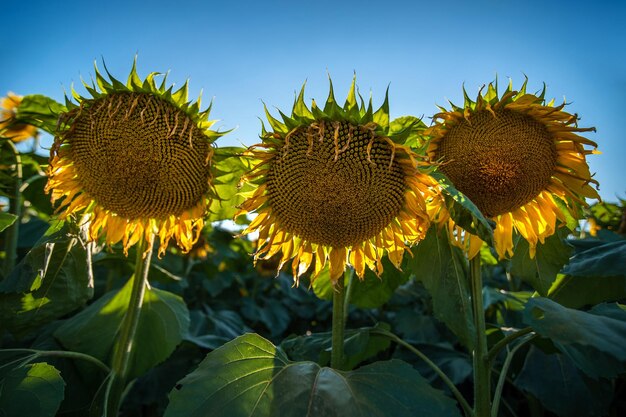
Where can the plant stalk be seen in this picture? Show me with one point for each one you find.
(505, 369)
(15, 208)
(123, 349)
(482, 366)
(338, 326)
(493, 352)
(61, 354)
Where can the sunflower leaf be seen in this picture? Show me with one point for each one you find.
(229, 166)
(36, 390)
(593, 340)
(51, 281)
(250, 377)
(463, 211)
(541, 270)
(6, 220)
(561, 388)
(40, 111)
(592, 276)
(163, 323)
(443, 270)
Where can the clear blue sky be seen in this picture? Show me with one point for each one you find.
(240, 53)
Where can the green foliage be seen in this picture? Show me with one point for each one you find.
(593, 340)
(39, 111)
(51, 281)
(6, 220)
(250, 377)
(562, 389)
(443, 270)
(463, 211)
(541, 270)
(34, 390)
(229, 166)
(163, 323)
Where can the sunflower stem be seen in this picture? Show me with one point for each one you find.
(482, 365)
(349, 289)
(123, 349)
(338, 326)
(36, 353)
(15, 208)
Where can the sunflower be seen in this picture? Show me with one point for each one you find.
(135, 159)
(519, 159)
(17, 132)
(335, 185)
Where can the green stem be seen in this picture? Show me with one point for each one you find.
(15, 208)
(482, 367)
(349, 290)
(61, 354)
(505, 369)
(459, 397)
(123, 349)
(338, 326)
(493, 352)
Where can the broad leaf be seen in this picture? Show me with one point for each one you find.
(230, 166)
(541, 271)
(51, 281)
(40, 111)
(593, 340)
(163, 322)
(561, 388)
(249, 377)
(359, 345)
(34, 390)
(211, 329)
(442, 268)
(6, 220)
(463, 211)
(604, 260)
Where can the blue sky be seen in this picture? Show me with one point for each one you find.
(245, 53)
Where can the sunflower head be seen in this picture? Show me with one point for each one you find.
(520, 159)
(335, 184)
(135, 158)
(17, 132)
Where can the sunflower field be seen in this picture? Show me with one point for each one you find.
(348, 264)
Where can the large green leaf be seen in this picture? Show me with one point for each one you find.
(604, 260)
(229, 165)
(40, 111)
(34, 390)
(593, 340)
(163, 322)
(250, 377)
(6, 220)
(443, 270)
(561, 388)
(51, 281)
(359, 345)
(541, 271)
(463, 211)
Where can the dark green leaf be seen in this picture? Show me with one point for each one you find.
(212, 329)
(250, 377)
(594, 342)
(38, 198)
(561, 387)
(34, 390)
(442, 268)
(51, 281)
(576, 292)
(541, 271)
(360, 345)
(163, 322)
(463, 211)
(6, 220)
(605, 260)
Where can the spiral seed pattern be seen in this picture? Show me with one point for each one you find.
(138, 155)
(335, 184)
(500, 162)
